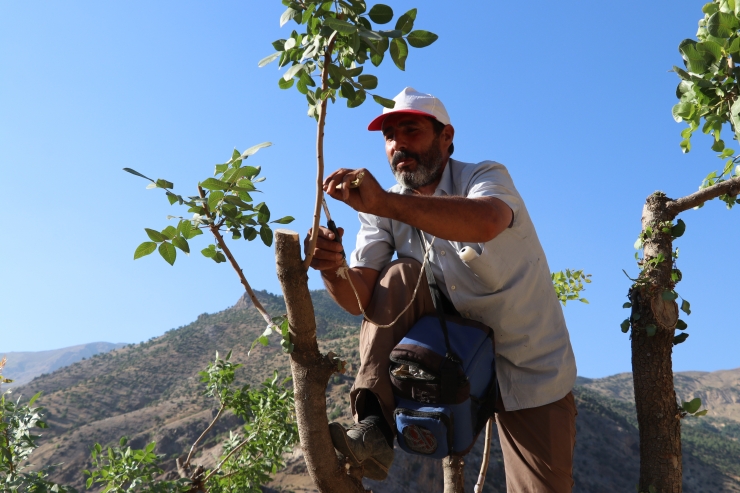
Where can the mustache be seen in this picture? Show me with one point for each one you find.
(403, 155)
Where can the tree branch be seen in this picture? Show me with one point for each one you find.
(234, 264)
(218, 468)
(202, 435)
(320, 153)
(729, 187)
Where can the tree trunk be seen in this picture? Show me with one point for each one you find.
(653, 327)
(311, 372)
(454, 474)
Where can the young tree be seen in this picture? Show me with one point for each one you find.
(708, 92)
(338, 40)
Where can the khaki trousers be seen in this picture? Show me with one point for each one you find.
(537, 443)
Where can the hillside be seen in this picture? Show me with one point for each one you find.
(150, 391)
(25, 366)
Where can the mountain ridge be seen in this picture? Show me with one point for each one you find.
(151, 391)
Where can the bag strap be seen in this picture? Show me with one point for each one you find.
(437, 301)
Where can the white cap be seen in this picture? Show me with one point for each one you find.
(412, 101)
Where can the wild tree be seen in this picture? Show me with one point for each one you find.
(708, 98)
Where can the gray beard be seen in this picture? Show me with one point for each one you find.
(429, 168)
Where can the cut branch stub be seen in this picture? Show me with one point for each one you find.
(665, 312)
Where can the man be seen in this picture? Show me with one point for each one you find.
(503, 282)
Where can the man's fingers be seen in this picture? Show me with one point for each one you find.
(320, 264)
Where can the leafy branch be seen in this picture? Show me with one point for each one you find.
(223, 205)
(339, 39)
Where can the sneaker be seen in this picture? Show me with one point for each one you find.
(364, 445)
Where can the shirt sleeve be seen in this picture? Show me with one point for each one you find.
(493, 180)
(375, 245)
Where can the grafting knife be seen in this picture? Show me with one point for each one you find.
(332, 227)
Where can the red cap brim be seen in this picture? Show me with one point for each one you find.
(377, 123)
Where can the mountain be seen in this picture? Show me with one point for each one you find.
(25, 366)
(151, 391)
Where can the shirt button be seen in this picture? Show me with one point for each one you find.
(453, 287)
(443, 253)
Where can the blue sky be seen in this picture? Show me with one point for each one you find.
(575, 101)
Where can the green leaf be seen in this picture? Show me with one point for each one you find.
(701, 413)
(268, 59)
(266, 235)
(164, 183)
(722, 24)
(682, 111)
(214, 184)
(145, 249)
(180, 243)
(681, 325)
(170, 232)
(209, 252)
(172, 198)
(680, 338)
(250, 233)
(405, 23)
(340, 26)
(718, 146)
(368, 81)
(669, 295)
(399, 52)
(184, 227)
(420, 39)
(214, 198)
(679, 229)
(381, 14)
(168, 252)
(627, 305)
(348, 91)
(33, 399)
(155, 235)
(263, 213)
(219, 257)
(284, 220)
(686, 307)
(697, 62)
(285, 84)
(650, 330)
(692, 406)
(387, 103)
(134, 172)
(625, 325)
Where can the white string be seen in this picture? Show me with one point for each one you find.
(343, 272)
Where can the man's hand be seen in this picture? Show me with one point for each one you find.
(368, 197)
(328, 252)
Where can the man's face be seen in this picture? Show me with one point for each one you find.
(414, 151)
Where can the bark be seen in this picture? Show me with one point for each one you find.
(320, 155)
(658, 414)
(454, 478)
(311, 372)
(652, 369)
(730, 187)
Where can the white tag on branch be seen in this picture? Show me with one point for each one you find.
(268, 330)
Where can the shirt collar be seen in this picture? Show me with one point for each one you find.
(445, 186)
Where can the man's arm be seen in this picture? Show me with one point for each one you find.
(327, 259)
(473, 220)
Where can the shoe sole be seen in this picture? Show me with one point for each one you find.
(372, 469)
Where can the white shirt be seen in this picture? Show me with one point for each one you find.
(507, 287)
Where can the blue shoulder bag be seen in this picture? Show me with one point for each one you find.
(444, 380)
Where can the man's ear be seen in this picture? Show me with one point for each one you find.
(447, 136)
